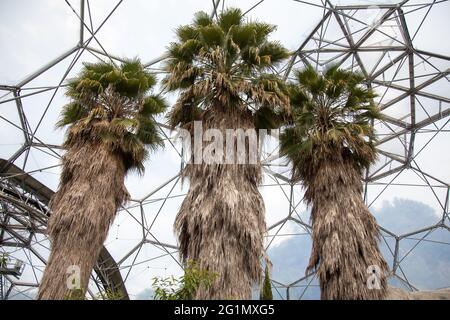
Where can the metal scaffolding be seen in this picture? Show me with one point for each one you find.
(381, 47)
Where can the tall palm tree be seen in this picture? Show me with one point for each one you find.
(329, 142)
(221, 69)
(110, 132)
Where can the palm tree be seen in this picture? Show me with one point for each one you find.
(329, 142)
(110, 132)
(221, 69)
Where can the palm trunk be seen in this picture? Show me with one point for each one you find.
(91, 190)
(345, 235)
(221, 223)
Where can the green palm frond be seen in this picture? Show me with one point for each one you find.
(243, 35)
(268, 118)
(211, 35)
(153, 105)
(202, 19)
(185, 33)
(274, 51)
(96, 68)
(229, 18)
(71, 113)
(148, 132)
(261, 32)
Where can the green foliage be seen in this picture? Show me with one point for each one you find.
(266, 291)
(130, 79)
(4, 259)
(185, 287)
(226, 61)
(75, 294)
(332, 116)
(72, 112)
(230, 18)
(111, 104)
(108, 294)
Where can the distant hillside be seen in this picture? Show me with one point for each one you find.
(427, 266)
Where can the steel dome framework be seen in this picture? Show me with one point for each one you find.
(414, 94)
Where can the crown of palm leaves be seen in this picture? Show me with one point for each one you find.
(227, 62)
(332, 116)
(112, 105)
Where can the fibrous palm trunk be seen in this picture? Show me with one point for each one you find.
(221, 222)
(345, 235)
(91, 190)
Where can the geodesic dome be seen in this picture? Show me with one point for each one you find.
(399, 46)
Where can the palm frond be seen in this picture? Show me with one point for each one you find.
(185, 33)
(202, 19)
(153, 105)
(211, 35)
(274, 52)
(230, 17)
(71, 113)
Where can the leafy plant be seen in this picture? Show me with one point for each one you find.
(3, 259)
(108, 294)
(75, 294)
(183, 288)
